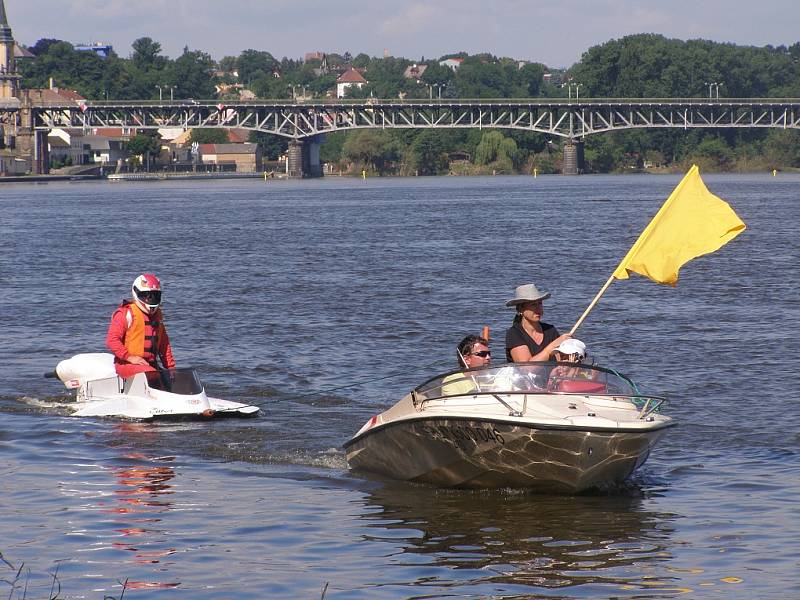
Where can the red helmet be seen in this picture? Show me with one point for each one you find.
(146, 290)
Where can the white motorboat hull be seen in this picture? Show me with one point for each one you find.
(132, 407)
(171, 393)
(471, 453)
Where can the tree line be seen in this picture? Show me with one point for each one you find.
(636, 66)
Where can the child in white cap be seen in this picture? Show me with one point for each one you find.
(571, 350)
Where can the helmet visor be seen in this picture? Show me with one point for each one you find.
(152, 297)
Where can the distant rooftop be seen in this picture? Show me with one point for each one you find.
(101, 49)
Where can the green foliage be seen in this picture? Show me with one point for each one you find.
(497, 150)
(209, 136)
(147, 55)
(68, 68)
(782, 149)
(269, 87)
(253, 64)
(272, 146)
(331, 150)
(43, 45)
(191, 72)
(227, 64)
(652, 66)
(371, 148)
(143, 145)
(427, 154)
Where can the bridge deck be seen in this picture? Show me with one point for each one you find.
(573, 118)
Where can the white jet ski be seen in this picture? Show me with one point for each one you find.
(168, 393)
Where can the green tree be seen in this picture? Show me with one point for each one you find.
(427, 154)
(371, 148)
(436, 74)
(191, 72)
(272, 146)
(43, 45)
(782, 149)
(361, 60)
(253, 64)
(227, 64)
(143, 145)
(497, 150)
(209, 135)
(147, 54)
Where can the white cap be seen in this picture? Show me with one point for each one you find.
(572, 346)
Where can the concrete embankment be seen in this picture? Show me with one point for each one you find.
(46, 178)
(181, 176)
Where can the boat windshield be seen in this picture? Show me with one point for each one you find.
(176, 381)
(531, 378)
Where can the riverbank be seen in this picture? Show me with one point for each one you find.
(47, 178)
(139, 177)
(184, 176)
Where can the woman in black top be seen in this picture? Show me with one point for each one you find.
(528, 338)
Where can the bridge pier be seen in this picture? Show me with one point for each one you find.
(31, 143)
(303, 158)
(573, 158)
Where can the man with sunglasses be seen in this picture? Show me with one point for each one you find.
(473, 352)
(137, 335)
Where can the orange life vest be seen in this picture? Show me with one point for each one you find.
(145, 333)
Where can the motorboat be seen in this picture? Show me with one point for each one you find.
(551, 427)
(165, 393)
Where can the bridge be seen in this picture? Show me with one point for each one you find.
(305, 122)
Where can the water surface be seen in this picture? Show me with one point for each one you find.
(324, 302)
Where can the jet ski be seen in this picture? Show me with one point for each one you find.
(165, 393)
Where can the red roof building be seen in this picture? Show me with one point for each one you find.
(349, 78)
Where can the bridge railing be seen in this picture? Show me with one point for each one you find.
(328, 102)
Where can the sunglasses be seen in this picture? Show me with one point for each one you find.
(482, 353)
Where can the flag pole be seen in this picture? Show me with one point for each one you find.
(591, 306)
(631, 252)
(691, 222)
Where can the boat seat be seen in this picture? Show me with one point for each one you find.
(578, 386)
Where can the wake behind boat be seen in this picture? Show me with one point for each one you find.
(168, 393)
(551, 427)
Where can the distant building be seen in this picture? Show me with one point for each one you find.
(229, 90)
(9, 77)
(66, 146)
(349, 78)
(102, 50)
(100, 145)
(12, 164)
(239, 157)
(54, 95)
(104, 149)
(414, 72)
(20, 52)
(452, 63)
(313, 56)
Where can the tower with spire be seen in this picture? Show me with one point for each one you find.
(9, 78)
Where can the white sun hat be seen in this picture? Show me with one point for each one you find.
(572, 346)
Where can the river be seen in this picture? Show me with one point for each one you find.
(324, 301)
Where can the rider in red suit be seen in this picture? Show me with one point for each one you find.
(137, 335)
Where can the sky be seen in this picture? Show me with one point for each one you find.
(553, 32)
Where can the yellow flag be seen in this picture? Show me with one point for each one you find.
(692, 222)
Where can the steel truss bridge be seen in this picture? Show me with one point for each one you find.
(298, 120)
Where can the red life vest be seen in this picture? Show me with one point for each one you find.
(145, 332)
